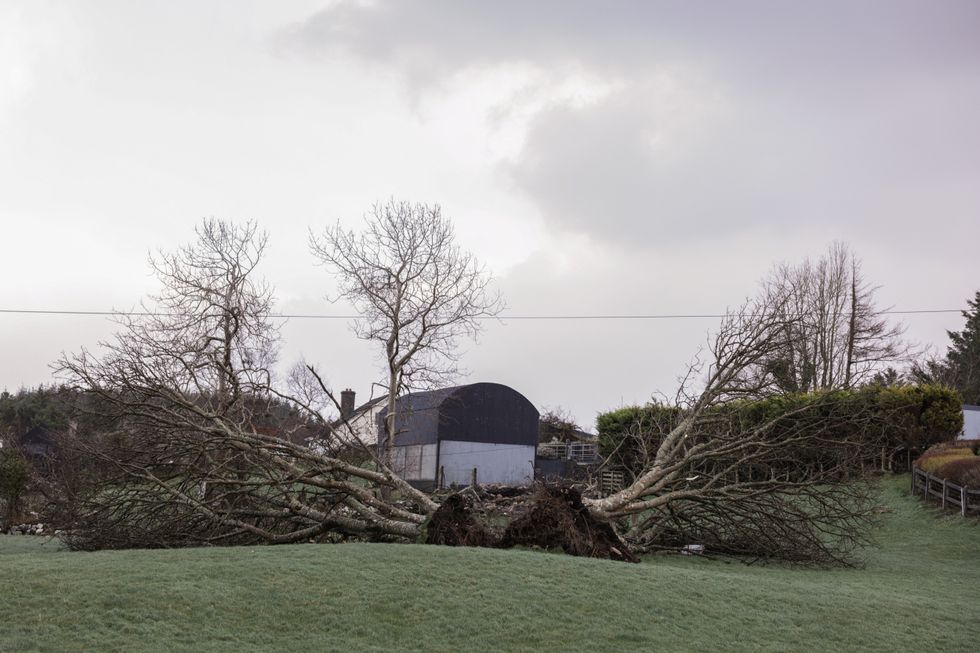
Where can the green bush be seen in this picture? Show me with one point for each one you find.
(626, 435)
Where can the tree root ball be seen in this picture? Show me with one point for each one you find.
(454, 524)
(554, 518)
(557, 519)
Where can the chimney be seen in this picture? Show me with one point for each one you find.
(347, 403)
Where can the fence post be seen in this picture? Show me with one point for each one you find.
(442, 476)
(913, 481)
(944, 494)
(474, 477)
(963, 499)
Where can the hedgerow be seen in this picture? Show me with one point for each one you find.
(887, 418)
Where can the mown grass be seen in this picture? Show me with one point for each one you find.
(919, 590)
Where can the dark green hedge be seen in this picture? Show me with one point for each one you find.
(624, 433)
(883, 417)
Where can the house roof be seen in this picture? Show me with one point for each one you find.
(360, 410)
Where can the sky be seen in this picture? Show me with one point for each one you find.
(615, 157)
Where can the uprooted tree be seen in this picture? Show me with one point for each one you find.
(182, 391)
(186, 454)
(741, 485)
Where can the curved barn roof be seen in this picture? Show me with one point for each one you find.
(482, 412)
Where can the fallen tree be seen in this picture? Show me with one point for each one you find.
(782, 484)
(188, 453)
(183, 456)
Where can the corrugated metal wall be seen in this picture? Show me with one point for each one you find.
(971, 422)
(415, 462)
(506, 464)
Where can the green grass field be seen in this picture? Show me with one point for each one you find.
(920, 590)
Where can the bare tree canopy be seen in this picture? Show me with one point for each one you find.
(196, 444)
(208, 331)
(417, 292)
(835, 336)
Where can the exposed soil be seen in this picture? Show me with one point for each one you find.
(549, 517)
(454, 524)
(557, 519)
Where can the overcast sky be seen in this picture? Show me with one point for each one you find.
(599, 157)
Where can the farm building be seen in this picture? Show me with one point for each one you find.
(446, 434)
(971, 422)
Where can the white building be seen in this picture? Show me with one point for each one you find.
(971, 422)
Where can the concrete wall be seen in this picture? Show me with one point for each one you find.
(971, 422)
(507, 464)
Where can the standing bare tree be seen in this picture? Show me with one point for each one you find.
(835, 336)
(417, 292)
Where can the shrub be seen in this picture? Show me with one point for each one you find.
(964, 472)
(956, 461)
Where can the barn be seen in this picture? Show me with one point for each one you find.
(445, 436)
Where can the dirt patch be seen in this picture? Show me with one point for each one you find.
(557, 519)
(454, 524)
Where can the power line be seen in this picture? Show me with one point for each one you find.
(323, 316)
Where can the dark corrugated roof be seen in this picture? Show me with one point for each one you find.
(485, 412)
(425, 400)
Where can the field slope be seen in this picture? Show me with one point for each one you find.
(920, 590)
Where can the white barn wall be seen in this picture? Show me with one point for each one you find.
(507, 464)
(971, 422)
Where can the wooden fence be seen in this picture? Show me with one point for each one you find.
(965, 499)
(610, 482)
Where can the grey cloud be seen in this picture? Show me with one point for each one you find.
(599, 170)
(826, 41)
(762, 162)
(830, 105)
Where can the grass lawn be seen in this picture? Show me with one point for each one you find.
(920, 590)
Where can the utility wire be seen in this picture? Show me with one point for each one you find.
(321, 316)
